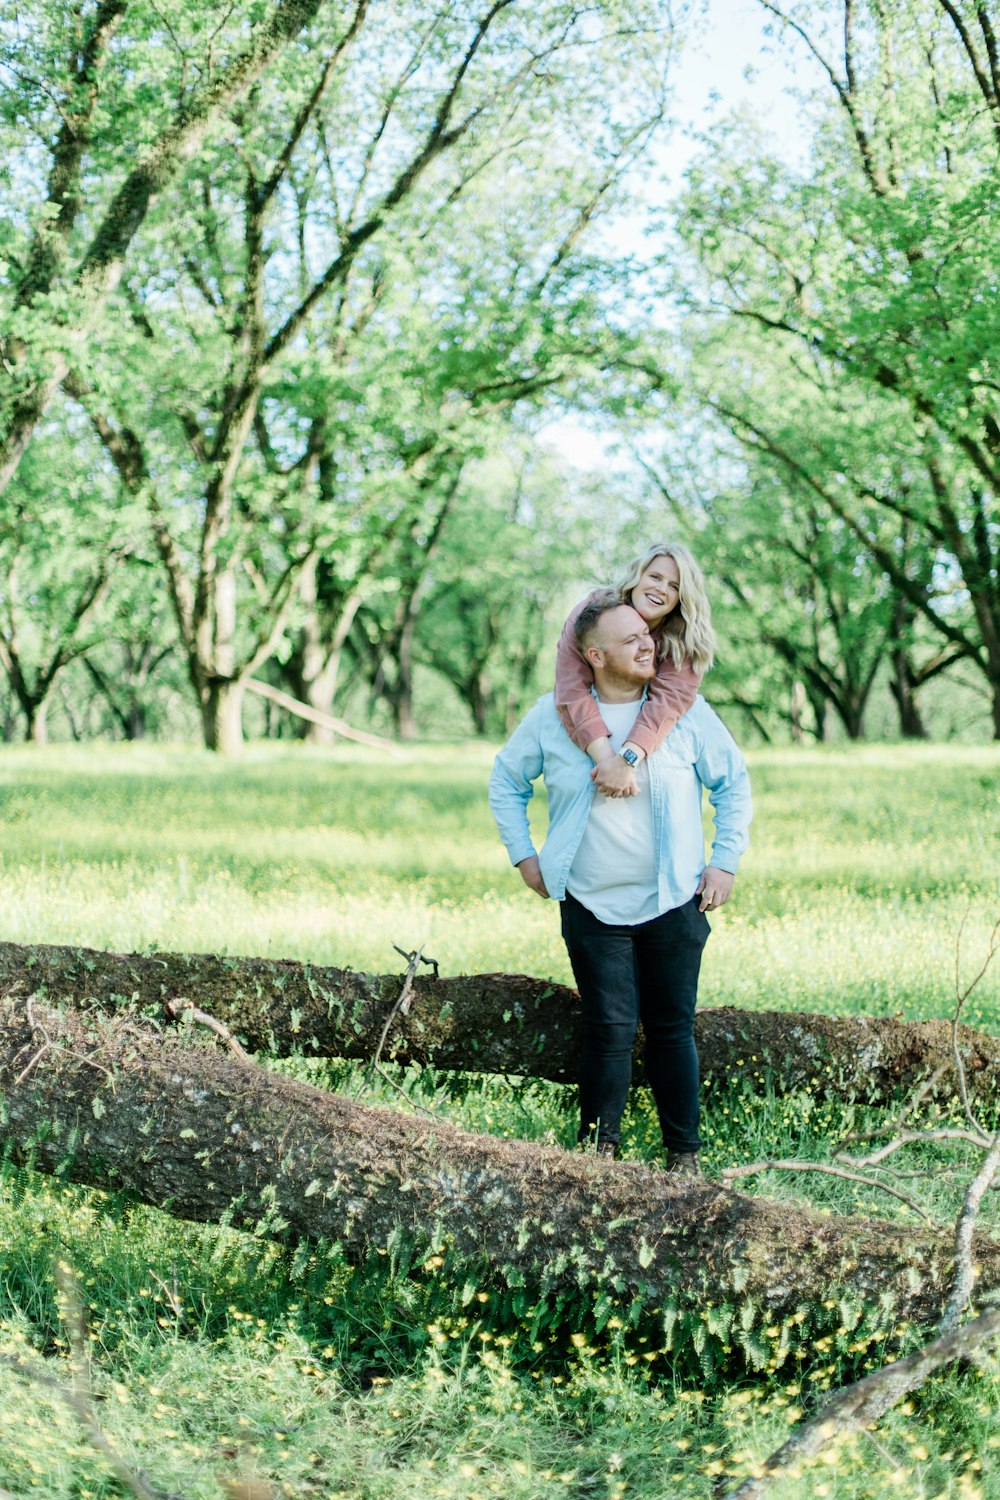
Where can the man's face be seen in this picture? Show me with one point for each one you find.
(625, 647)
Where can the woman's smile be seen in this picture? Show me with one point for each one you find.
(658, 590)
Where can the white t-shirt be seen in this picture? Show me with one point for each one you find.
(614, 873)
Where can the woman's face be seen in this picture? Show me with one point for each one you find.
(658, 591)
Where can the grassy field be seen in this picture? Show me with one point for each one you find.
(217, 1356)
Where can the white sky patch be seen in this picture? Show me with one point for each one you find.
(577, 444)
(730, 62)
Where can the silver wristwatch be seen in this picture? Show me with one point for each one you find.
(629, 757)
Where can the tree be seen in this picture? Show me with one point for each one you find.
(68, 250)
(61, 544)
(219, 1139)
(854, 358)
(497, 317)
(499, 583)
(232, 451)
(811, 595)
(493, 1023)
(133, 672)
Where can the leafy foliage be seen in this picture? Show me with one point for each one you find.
(841, 336)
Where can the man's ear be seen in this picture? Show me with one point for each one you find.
(594, 656)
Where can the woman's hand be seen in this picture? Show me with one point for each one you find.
(614, 777)
(531, 874)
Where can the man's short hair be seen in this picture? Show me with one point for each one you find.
(591, 613)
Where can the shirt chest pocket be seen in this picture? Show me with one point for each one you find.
(678, 749)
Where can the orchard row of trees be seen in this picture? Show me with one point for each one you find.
(291, 290)
(289, 278)
(840, 364)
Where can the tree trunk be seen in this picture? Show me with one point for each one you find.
(477, 694)
(77, 732)
(135, 728)
(315, 666)
(183, 1127)
(402, 695)
(310, 682)
(904, 691)
(852, 716)
(820, 710)
(495, 1023)
(128, 706)
(38, 723)
(798, 710)
(849, 696)
(222, 716)
(321, 693)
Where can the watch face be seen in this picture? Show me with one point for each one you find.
(630, 756)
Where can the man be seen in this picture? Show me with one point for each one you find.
(631, 876)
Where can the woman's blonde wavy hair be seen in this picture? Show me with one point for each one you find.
(687, 630)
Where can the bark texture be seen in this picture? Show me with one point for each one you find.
(492, 1023)
(174, 1123)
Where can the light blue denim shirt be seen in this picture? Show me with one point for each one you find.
(698, 752)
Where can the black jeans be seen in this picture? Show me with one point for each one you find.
(624, 974)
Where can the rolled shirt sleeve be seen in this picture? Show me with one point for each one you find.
(722, 771)
(511, 787)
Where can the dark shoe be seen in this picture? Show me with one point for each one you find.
(683, 1163)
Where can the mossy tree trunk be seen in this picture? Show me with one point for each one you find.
(494, 1023)
(184, 1127)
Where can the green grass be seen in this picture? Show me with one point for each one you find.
(863, 866)
(217, 1355)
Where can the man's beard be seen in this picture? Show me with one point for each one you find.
(636, 678)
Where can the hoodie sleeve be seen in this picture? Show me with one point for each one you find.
(670, 694)
(575, 702)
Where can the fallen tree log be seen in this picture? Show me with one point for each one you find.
(104, 1101)
(492, 1023)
